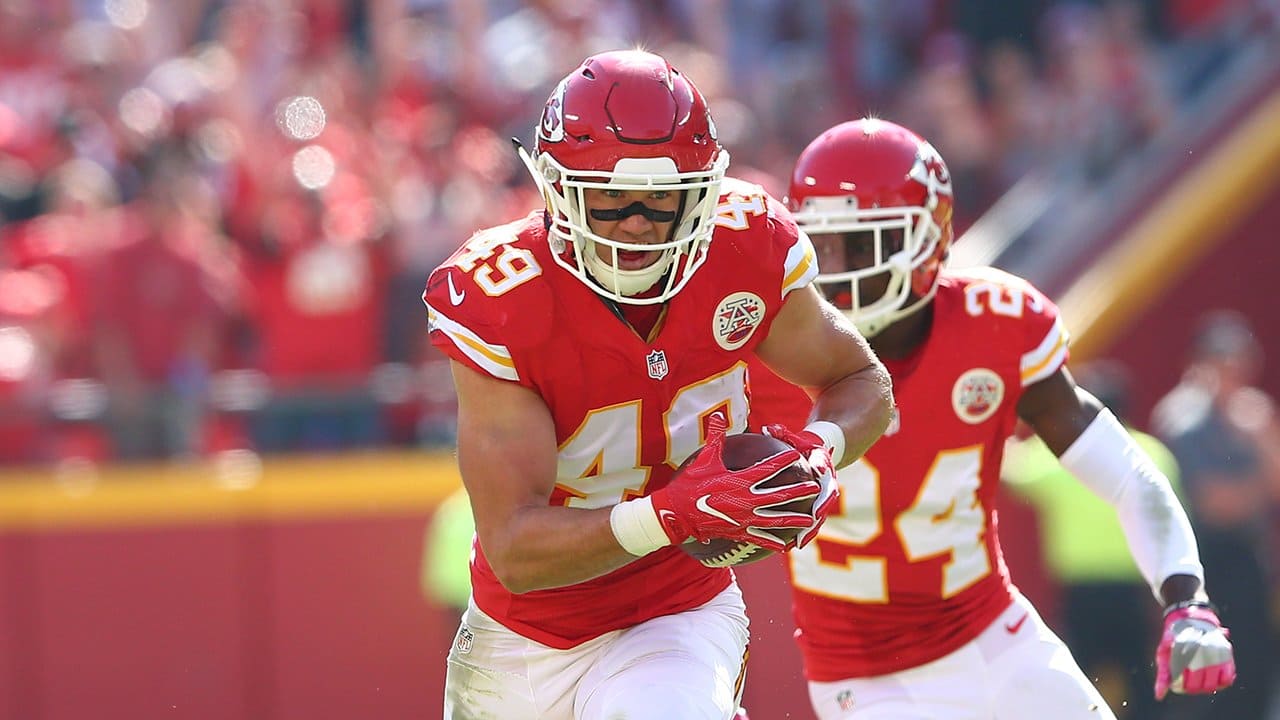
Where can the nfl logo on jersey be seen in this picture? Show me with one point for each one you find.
(657, 361)
(464, 641)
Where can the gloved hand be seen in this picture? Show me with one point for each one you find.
(706, 500)
(818, 455)
(1194, 655)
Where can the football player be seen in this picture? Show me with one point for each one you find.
(903, 605)
(595, 344)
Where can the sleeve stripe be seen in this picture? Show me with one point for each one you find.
(1048, 357)
(494, 359)
(801, 265)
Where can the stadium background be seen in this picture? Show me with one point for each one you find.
(221, 429)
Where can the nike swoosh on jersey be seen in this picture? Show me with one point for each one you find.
(1013, 628)
(455, 297)
(705, 507)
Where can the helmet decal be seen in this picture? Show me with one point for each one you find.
(551, 129)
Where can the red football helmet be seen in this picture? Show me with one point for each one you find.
(884, 182)
(627, 120)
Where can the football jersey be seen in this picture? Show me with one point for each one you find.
(627, 410)
(909, 567)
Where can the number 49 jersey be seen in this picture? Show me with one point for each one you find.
(909, 568)
(627, 410)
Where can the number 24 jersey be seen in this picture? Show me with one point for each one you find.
(909, 568)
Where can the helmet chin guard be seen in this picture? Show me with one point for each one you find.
(899, 267)
(593, 258)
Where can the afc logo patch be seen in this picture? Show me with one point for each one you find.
(657, 362)
(977, 394)
(736, 319)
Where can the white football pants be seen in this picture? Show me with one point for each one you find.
(1015, 670)
(689, 665)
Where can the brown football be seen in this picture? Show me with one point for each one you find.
(742, 451)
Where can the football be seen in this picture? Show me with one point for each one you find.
(742, 451)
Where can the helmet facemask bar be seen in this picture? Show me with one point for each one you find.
(682, 253)
(920, 236)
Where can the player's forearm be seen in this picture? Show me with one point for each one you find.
(548, 547)
(861, 404)
(1107, 460)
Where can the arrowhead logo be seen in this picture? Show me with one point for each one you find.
(455, 297)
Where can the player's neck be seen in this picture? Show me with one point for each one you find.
(904, 337)
(646, 320)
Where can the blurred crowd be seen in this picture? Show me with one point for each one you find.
(216, 216)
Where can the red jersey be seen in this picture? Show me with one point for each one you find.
(909, 569)
(627, 411)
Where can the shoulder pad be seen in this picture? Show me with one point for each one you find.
(490, 297)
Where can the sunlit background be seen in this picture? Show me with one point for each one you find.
(222, 430)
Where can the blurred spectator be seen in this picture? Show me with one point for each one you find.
(1020, 112)
(1105, 603)
(1226, 437)
(49, 293)
(446, 555)
(445, 573)
(343, 148)
(1105, 97)
(315, 315)
(28, 338)
(1208, 31)
(158, 315)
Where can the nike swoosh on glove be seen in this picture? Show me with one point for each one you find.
(706, 500)
(1194, 655)
(818, 455)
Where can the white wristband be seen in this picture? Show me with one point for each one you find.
(637, 528)
(832, 436)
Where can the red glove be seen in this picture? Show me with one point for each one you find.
(1194, 655)
(707, 500)
(818, 455)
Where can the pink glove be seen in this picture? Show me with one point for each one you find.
(815, 451)
(1194, 655)
(706, 500)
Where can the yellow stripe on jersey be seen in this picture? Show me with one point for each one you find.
(1047, 357)
(495, 359)
(801, 265)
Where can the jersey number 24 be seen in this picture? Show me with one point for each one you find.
(945, 518)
